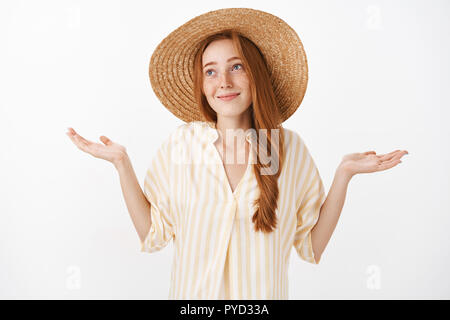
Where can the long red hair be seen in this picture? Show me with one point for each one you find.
(265, 114)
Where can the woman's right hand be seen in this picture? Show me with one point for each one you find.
(110, 151)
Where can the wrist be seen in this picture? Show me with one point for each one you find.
(343, 172)
(121, 162)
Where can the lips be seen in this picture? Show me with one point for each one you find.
(228, 95)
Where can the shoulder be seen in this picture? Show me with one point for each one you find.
(189, 129)
(294, 143)
(292, 139)
(186, 132)
(180, 133)
(184, 135)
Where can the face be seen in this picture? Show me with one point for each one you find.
(225, 76)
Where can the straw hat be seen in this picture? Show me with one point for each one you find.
(172, 63)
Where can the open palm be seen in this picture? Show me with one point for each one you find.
(369, 161)
(109, 150)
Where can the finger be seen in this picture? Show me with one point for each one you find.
(80, 142)
(80, 138)
(76, 142)
(370, 152)
(72, 137)
(105, 140)
(75, 134)
(396, 156)
(388, 164)
(71, 131)
(389, 156)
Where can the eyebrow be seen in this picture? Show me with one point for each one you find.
(213, 62)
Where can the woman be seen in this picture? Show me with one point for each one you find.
(233, 222)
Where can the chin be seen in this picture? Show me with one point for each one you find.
(227, 109)
(228, 113)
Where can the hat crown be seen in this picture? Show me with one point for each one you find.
(172, 63)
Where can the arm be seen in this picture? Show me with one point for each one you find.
(352, 164)
(137, 203)
(138, 206)
(330, 212)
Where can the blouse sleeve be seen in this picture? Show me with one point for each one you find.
(157, 192)
(310, 195)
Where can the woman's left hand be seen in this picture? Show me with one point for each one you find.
(369, 161)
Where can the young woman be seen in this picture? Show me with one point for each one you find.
(233, 219)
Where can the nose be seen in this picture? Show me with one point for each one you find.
(225, 80)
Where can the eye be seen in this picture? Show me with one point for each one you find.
(238, 65)
(211, 70)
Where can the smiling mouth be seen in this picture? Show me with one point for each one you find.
(229, 96)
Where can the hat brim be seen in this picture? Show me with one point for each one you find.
(172, 63)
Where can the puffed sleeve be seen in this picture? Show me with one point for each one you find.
(310, 195)
(157, 192)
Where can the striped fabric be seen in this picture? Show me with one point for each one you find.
(217, 253)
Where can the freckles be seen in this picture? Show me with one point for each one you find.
(243, 79)
(208, 88)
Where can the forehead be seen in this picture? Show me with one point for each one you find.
(219, 50)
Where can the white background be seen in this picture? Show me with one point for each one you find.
(378, 80)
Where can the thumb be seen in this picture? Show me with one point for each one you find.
(105, 140)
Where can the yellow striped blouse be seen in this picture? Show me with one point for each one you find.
(217, 253)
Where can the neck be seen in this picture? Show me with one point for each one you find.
(242, 122)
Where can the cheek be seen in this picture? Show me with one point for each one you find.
(244, 82)
(208, 88)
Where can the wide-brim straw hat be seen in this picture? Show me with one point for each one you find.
(172, 63)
